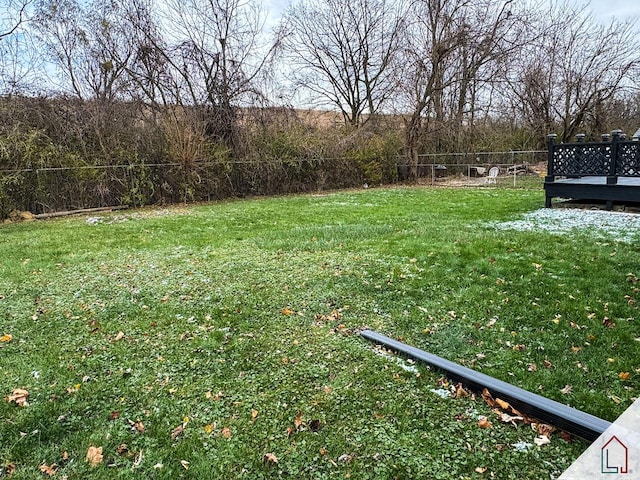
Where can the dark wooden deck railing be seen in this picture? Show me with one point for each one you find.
(610, 159)
(613, 157)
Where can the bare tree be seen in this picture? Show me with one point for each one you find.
(16, 56)
(12, 16)
(343, 52)
(452, 51)
(201, 54)
(562, 80)
(88, 45)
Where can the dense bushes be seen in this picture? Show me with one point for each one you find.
(64, 154)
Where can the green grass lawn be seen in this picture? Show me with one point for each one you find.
(220, 341)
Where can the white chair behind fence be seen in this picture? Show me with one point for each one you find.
(493, 175)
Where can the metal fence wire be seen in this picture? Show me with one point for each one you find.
(51, 189)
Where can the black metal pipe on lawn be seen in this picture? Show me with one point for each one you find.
(562, 416)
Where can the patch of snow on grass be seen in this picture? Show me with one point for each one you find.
(406, 365)
(624, 227)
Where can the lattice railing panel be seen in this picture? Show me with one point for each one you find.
(628, 161)
(581, 159)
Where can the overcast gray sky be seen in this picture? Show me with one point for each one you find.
(604, 9)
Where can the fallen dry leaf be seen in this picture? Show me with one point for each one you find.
(226, 432)
(544, 429)
(480, 469)
(298, 420)
(460, 392)
(608, 323)
(184, 464)
(287, 311)
(19, 397)
(119, 336)
(254, 414)
(504, 405)
(209, 428)
(177, 432)
(488, 398)
(10, 469)
(270, 458)
(6, 338)
(136, 426)
(532, 367)
(122, 449)
(624, 375)
(484, 423)
(567, 389)
(49, 469)
(506, 418)
(541, 440)
(566, 436)
(94, 456)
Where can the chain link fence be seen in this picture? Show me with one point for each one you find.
(41, 190)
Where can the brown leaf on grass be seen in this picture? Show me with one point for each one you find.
(114, 415)
(624, 375)
(49, 469)
(270, 458)
(484, 423)
(254, 414)
(184, 464)
(460, 392)
(6, 338)
(122, 449)
(566, 436)
(503, 405)
(480, 469)
(298, 420)
(9, 469)
(608, 323)
(544, 429)
(213, 396)
(19, 397)
(136, 426)
(119, 336)
(567, 389)
(532, 367)
(94, 456)
(488, 398)
(287, 311)
(548, 364)
(177, 432)
(226, 432)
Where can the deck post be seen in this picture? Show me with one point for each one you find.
(612, 178)
(551, 140)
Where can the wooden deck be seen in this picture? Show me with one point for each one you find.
(594, 188)
(601, 171)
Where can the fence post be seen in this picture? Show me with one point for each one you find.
(551, 139)
(612, 178)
